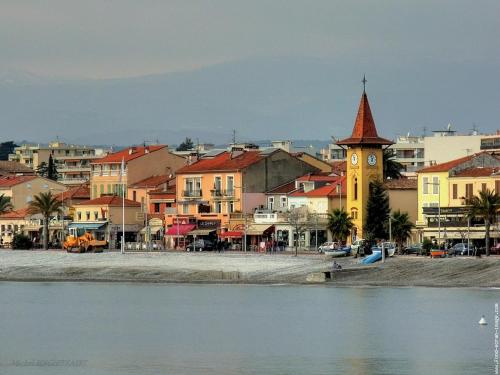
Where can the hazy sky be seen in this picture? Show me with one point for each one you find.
(121, 38)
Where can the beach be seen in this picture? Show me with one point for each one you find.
(251, 268)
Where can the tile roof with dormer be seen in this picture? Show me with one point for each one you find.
(9, 181)
(226, 161)
(77, 192)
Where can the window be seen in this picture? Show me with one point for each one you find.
(483, 187)
(230, 185)
(354, 214)
(469, 192)
(270, 203)
(435, 185)
(425, 183)
(109, 188)
(134, 196)
(455, 191)
(157, 208)
(230, 207)
(79, 216)
(94, 188)
(96, 215)
(87, 215)
(218, 183)
(185, 208)
(355, 188)
(283, 201)
(497, 187)
(218, 207)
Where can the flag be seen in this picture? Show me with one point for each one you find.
(122, 170)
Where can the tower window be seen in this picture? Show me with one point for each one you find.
(355, 189)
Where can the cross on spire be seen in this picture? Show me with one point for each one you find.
(364, 83)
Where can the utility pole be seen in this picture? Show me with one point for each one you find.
(234, 136)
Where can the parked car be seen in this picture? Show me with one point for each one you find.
(200, 245)
(327, 246)
(357, 247)
(495, 249)
(460, 249)
(415, 248)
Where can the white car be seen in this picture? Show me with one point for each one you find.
(327, 246)
(357, 245)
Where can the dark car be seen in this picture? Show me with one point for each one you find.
(415, 248)
(460, 249)
(200, 245)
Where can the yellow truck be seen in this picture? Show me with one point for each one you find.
(84, 244)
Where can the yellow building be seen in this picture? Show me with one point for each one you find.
(442, 193)
(140, 163)
(364, 164)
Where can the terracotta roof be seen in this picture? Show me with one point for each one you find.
(445, 167)
(283, 189)
(402, 184)
(339, 167)
(152, 181)
(364, 131)
(161, 195)
(478, 172)
(18, 214)
(317, 177)
(109, 200)
(13, 167)
(126, 155)
(225, 161)
(328, 190)
(77, 192)
(9, 181)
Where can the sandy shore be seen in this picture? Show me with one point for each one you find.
(245, 268)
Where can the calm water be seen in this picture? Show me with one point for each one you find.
(225, 329)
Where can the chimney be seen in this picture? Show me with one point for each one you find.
(146, 150)
(132, 150)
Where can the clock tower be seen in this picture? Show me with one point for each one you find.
(364, 163)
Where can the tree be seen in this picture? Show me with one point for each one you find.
(392, 168)
(52, 173)
(42, 170)
(186, 145)
(298, 219)
(485, 206)
(377, 212)
(45, 204)
(401, 228)
(340, 224)
(5, 204)
(22, 242)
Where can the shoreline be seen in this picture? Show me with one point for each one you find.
(246, 268)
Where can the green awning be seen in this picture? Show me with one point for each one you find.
(87, 226)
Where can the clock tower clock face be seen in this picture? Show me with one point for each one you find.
(372, 159)
(354, 159)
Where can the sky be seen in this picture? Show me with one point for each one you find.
(90, 40)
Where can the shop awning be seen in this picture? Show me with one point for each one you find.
(87, 226)
(232, 234)
(257, 229)
(201, 232)
(180, 230)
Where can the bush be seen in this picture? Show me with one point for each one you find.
(21, 242)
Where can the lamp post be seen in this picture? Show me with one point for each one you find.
(242, 205)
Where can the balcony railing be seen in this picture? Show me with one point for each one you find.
(191, 193)
(220, 193)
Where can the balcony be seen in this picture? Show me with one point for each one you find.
(191, 193)
(222, 194)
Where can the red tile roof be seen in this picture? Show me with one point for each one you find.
(225, 161)
(478, 172)
(127, 155)
(109, 200)
(77, 192)
(445, 167)
(152, 182)
(283, 189)
(9, 181)
(328, 190)
(317, 177)
(13, 167)
(339, 167)
(18, 214)
(402, 184)
(364, 131)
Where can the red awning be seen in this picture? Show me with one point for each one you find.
(232, 234)
(181, 229)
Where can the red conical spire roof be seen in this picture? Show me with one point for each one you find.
(364, 131)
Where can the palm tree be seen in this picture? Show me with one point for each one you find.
(340, 224)
(401, 227)
(5, 204)
(392, 168)
(45, 204)
(486, 207)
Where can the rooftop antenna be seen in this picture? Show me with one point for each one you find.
(424, 129)
(364, 84)
(234, 136)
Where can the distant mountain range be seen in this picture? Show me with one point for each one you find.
(292, 98)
